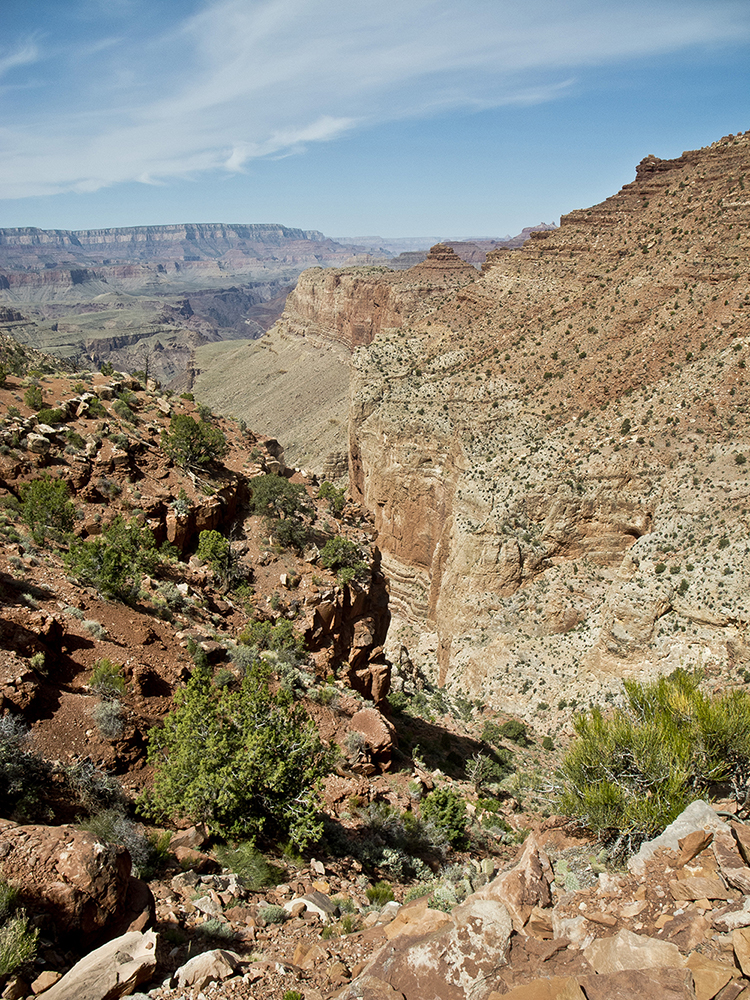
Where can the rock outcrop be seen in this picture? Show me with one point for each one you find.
(83, 885)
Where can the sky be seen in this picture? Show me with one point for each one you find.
(452, 118)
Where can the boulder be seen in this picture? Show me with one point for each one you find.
(81, 883)
(208, 967)
(379, 734)
(527, 885)
(457, 961)
(697, 816)
(111, 971)
(627, 950)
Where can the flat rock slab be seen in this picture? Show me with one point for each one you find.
(699, 888)
(628, 951)
(112, 971)
(640, 984)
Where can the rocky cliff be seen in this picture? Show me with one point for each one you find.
(555, 454)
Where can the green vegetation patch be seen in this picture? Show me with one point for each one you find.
(628, 775)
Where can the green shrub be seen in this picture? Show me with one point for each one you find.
(630, 774)
(17, 943)
(33, 398)
(214, 549)
(245, 762)
(50, 416)
(247, 862)
(447, 811)
(24, 775)
(115, 561)
(106, 679)
(123, 411)
(192, 444)
(74, 438)
(547, 743)
(333, 495)
(344, 557)
(515, 731)
(280, 637)
(46, 506)
(379, 894)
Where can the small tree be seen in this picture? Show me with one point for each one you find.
(277, 497)
(193, 445)
(333, 495)
(214, 549)
(33, 398)
(344, 557)
(245, 762)
(283, 504)
(447, 811)
(45, 504)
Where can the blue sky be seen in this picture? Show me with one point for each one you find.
(404, 117)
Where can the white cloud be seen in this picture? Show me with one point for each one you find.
(243, 79)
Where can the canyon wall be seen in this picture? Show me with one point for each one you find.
(555, 453)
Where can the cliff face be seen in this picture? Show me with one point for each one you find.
(353, 305)
(555, 454)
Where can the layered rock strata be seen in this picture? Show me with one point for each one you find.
(556, 453)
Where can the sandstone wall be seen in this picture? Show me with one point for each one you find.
(555, 454)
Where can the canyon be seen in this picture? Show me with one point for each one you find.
(554, 450)
(145, 297)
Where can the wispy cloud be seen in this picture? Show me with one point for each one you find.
(237, 80)
(22, 55)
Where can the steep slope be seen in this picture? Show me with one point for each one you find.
(555, 454)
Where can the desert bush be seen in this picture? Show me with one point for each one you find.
(628, 775)
(247, 862)
(344, 557)
(33, 398)
(192, 444)
(46, 507)
(379, 894)
(108, 717)
(272, 914)
(50, 416)
(24, 775)
(106, 679)
(113, 826)
(17, 942)
(115, 561)
(482, 770)
(447, 810)
(95, 790)
(243, 761)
